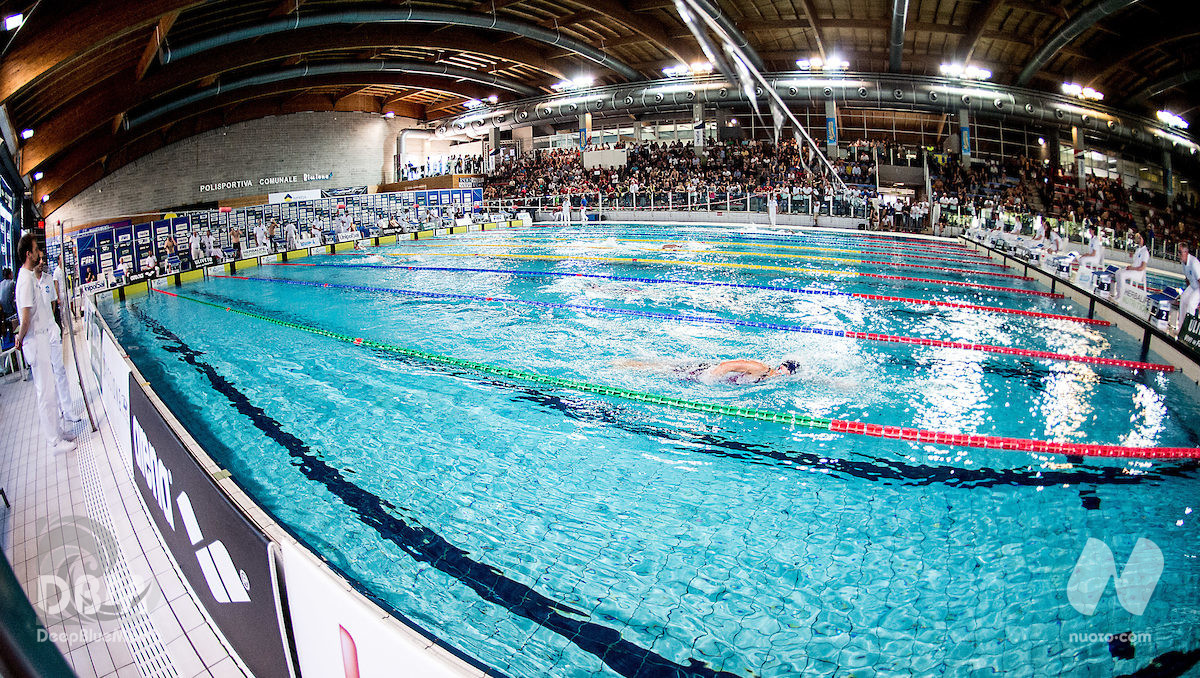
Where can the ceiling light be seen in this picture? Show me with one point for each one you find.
(732, 122)
(1077, 90)
(26, 134)
(46, 198)
(676, 71)
(701, 68)
(472, 104)
(968, 72)
(1041, 141)
(1173, 120)
(37, 176)
(492, 99)
(389, 114)
(833, 63)
(574, 83)
(14, 21)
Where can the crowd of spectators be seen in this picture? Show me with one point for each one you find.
(735, 169)
(728, 168)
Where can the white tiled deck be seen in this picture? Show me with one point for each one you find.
(161, 634)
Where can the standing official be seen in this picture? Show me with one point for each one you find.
(36, 340)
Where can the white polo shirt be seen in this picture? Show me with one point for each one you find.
(31, 294)
(1141, 257)
(1191, 271)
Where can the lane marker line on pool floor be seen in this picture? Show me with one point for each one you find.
(802, 329)
(773, 416)
(717, 264)
(707, 283)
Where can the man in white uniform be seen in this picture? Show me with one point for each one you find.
(194, 246)
(1190, 298)
(260, 235)
(566, 210)
(1095, 257)
(289, 234)
(47, 285)
(34, 340)
(772, 209)
(1136, 270)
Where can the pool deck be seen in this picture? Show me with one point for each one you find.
(87, 497)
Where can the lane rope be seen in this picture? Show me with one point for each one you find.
(756, 414)
(680, 317)
(842, 260)
(719, 264)
(707, 283)
(899, 242)
(975, 260)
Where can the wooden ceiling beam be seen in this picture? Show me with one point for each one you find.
(437, 108)
(65, 29)
(157, 36)
(117, 94)
(494, 5)
(284, 8)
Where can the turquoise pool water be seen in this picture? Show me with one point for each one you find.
(547, 532)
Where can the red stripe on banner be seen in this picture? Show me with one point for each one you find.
(1021, 444)
(1008, 350)
(977, 307)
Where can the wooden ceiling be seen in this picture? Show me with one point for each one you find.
(78, 71)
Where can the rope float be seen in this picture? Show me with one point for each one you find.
(706, 283)
(721, 264)
(976, 260)
(755, 414)
(802, 329)
(842, 260)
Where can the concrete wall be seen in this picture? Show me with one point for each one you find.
(357, 147)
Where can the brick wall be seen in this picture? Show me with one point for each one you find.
(356, 147)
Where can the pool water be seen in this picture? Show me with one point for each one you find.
(544, 531)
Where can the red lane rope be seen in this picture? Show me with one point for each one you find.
(1002, 443)
(977, 307)
(1008, 350)
(954, 283)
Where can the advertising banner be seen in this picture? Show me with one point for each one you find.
(339, 634)
(223, 556)
(105, 254)
(293, 196)
(341, 192)
(162, 230)
(1189, 332)
(114, 388)
(143, 243)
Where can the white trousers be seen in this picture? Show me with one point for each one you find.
(38, 353)
(1188, 302)
(1092, 261)
(772, 211)
(1125, 277)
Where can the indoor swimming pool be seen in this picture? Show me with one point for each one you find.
(512, 439)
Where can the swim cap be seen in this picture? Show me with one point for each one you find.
(790, 366)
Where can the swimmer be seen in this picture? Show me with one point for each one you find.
(374, 259)
(672, 247)
(738, 371)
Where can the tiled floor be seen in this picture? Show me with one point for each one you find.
(79, 513)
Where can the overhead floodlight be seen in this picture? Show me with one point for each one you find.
(389, 114)
(733, 122)
(37, 176)
(492, 99)
(701, 68)
(13, 22)
(26, 133)
(1172, 120)
(967, 72)
(1077, 90)
(46, 198)
(833, 63)
(472, 104)
(1041, 141)
(573, 84)
(676, 71)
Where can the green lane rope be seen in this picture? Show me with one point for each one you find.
(772, 416)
